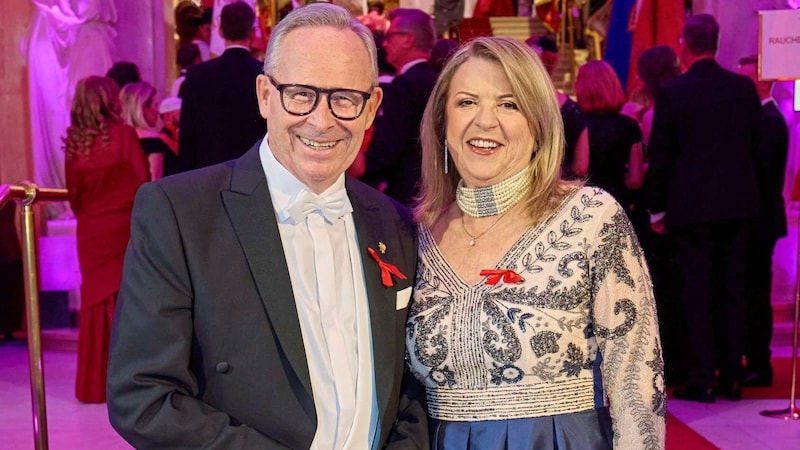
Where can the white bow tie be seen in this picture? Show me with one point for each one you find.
(332, 206)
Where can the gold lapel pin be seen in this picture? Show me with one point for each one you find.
(381, 247)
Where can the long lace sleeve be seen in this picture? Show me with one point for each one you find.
(626, 329)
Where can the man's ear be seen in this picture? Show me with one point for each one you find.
(374, 102)
(263, 94)
(411, 41)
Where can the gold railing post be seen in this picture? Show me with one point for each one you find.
(31, 267)
(792, 412)
(27, 194)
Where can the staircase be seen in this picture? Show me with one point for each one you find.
(518, 27)
(522, 28)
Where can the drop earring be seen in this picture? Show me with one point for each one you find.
(446, 156)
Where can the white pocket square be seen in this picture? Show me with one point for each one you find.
(403, 297)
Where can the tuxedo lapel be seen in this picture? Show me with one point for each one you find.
(249, 207)
(382, 299)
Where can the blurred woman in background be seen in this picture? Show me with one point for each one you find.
(104, 167)
(140, 110)
(615, 161)
(656, 66)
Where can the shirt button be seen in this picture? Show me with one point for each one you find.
(223, 367)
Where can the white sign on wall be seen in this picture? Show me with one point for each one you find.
(779, 44)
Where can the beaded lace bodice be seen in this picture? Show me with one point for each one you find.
(532, 349)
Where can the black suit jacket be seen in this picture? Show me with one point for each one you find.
(206, 347)
(702, 147)
(219, 114)
(773, 150)
(395, 155)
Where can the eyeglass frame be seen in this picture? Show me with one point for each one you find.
(319, 92)
(389, 33)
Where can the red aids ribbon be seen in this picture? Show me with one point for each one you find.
(387, 270)
(495, 275)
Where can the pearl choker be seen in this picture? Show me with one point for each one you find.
(493, 200)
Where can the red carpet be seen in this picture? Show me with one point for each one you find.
(681, 437)
(781, 382)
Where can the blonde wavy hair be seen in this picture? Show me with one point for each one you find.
(94, 107)
(536, 97)
(134, 97)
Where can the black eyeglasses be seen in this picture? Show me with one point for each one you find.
(391, 33)
(301, 100)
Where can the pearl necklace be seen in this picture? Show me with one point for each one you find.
(495, 199)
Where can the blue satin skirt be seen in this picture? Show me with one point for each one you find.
(586, 430)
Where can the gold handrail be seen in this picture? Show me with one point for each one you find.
(27, 194)
(30, 192)
(565, 36)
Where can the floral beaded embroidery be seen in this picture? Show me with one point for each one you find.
(529, 347)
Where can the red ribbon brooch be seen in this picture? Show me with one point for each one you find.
(495, 275)
(387, 269)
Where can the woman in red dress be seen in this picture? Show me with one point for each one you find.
(105, 166)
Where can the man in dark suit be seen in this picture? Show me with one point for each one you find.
(701, 186)
(395, 155)
(219, 117)
(773, 150)
(264, 300)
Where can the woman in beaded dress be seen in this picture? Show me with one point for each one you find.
(533, 324)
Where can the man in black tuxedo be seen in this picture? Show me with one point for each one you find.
(770, 226)
(395, 155)
(219, 117)
(264, 300)
(701, 186)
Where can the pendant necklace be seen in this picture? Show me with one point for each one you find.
(473, 239)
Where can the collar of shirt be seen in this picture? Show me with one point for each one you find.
(767, 101)
(285, 188)
(385, 79)
(409, 65)
(237, 46)
(346, 407)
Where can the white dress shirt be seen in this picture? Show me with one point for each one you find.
(407, 66)
(205, 50)
(334, 320)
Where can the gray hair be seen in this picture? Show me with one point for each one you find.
(417, 22)
(320, 15)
